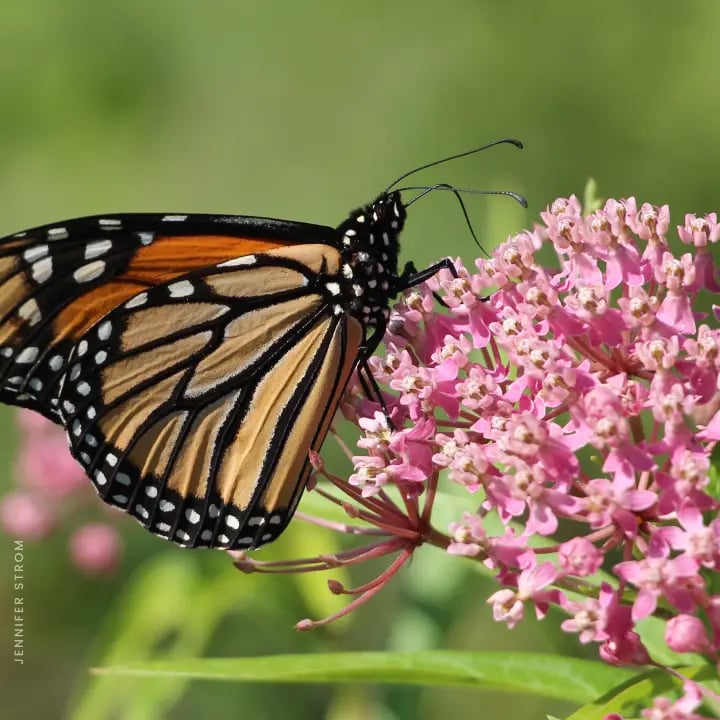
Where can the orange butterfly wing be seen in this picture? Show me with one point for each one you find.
(193, 372)
(57, 281)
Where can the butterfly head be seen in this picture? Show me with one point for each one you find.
(369, 248)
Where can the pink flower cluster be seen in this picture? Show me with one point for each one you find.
(582, 397)
(51, 486)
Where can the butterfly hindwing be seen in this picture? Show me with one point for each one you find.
(193, 405)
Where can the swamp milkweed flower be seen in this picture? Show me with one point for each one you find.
(606, 356)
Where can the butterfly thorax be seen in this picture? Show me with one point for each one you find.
(369, 250)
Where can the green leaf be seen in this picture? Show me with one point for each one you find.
(551, 676)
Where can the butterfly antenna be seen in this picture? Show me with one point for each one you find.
(456, 192)
(504, 141)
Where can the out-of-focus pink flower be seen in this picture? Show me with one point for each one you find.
(47, 467)
(32, 422)
(52, 486)
(25, 516)
(96, 548)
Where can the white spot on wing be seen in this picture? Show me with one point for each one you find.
(35, 253)
(192, 516)
(89, 272)
(232, 522)
(174, 218)
(97, 248)
(28, 355)
(137, 301)
(166, 506)
(333, 287)
(110, 223)
(244, 260)
(57, 233)
(181, 289)
(42, 269)
(104, 330)
(30, 311)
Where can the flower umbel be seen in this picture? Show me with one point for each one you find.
(605, 357)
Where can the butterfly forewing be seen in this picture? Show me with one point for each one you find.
(195, 361)
(57, 281)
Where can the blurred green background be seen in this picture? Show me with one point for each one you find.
(306, 110)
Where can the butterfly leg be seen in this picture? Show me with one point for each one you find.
(372, 390)
(412, 277)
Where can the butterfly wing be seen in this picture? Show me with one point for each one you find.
(57, 280)
(190, 396)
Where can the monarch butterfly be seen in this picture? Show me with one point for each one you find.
(195, 360)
